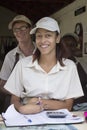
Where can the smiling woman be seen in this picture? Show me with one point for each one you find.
(48, 73)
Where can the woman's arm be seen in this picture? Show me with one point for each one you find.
(29, 108)
(46, 104)
(51, 104)
(57, 104)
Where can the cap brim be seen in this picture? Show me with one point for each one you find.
(44, 27)
(12, 22)
(33, 30)
(10, 25)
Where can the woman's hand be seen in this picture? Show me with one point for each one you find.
(32, 101)
(30, 109)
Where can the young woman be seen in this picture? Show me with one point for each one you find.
(46, 80)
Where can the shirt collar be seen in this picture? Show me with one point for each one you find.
(17, 50)
(56, 68)
(59, 67)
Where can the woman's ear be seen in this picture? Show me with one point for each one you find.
(58, 39)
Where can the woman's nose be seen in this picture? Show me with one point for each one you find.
(43, 39)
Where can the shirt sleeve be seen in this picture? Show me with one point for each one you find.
(14, 83)
(6, 67)
(75, 88)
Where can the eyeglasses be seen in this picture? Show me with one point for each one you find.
(22, 28)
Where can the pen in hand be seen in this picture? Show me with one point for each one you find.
(39, 102)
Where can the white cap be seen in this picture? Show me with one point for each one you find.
(46, 23)
(19, 18)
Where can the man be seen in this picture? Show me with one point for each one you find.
(21, 26)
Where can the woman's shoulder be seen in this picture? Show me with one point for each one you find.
(69, 62)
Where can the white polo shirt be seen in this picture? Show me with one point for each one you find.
(28, 79)
(8, 63)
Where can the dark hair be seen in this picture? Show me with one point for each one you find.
(70, 40)
(61, 52)
(72, 44)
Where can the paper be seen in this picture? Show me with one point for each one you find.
(14, 118)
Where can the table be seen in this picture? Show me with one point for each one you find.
(82, 126)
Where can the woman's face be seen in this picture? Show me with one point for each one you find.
(46, 41)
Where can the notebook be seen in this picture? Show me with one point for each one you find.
(14, 118)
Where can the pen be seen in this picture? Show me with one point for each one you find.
(39, 101)
(29, 120)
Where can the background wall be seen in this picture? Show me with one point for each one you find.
(5, 17)
(6, 37)
(67, 20)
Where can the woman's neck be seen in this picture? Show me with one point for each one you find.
(47, 63)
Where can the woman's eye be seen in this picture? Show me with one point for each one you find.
(38, 36)
(48, 35)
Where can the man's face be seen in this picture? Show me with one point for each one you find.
(21, 31)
